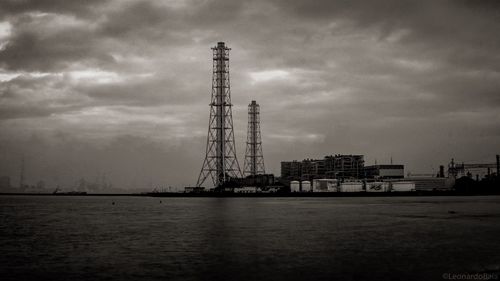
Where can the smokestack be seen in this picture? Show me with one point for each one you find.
(498, 165)
(441, 171)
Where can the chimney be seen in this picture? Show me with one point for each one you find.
(498, 165)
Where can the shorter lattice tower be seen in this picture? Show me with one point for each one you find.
(254, 158)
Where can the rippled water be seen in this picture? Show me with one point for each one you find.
(139, 238)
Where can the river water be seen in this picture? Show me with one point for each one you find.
(143, 238)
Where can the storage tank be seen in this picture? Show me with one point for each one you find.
(306, 186)
(351, 186)
(324, 185)
(295, 186)
(402, 186)
(377, 186)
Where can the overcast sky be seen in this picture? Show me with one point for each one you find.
(121, 88)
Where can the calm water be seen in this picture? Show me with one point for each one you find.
(88, 238)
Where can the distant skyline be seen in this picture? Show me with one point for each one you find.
(122, 88)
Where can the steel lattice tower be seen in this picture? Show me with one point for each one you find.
(254, 158)
(220, 161)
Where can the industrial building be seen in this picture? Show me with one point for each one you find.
(258, 180)
(311, 168)
(384, 172)
(330, 167)
(344, 166)
(291, 170)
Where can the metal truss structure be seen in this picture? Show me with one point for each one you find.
(220, 162)
(254, 158)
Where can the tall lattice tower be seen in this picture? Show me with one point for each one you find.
(254, 158)
(220, 162)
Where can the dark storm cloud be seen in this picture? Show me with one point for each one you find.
(28, 51)
(450, 30)
(365, 77)
(80, 8)
(140, 20)
(51, 42)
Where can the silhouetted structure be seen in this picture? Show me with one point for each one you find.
(441, 171)
(220, 162)
(258, 180)
(254, 158)
(331, 167)
(344, 166)
(384, 171)
(291, 170)
(498, 165)
(456, 170)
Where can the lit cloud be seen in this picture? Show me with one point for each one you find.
(94, 76)
(269, 75)
(5, 31)
(417, 65)
(7, 76)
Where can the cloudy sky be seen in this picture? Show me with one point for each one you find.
(121, 88)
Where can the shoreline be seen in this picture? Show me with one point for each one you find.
(260, 195)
